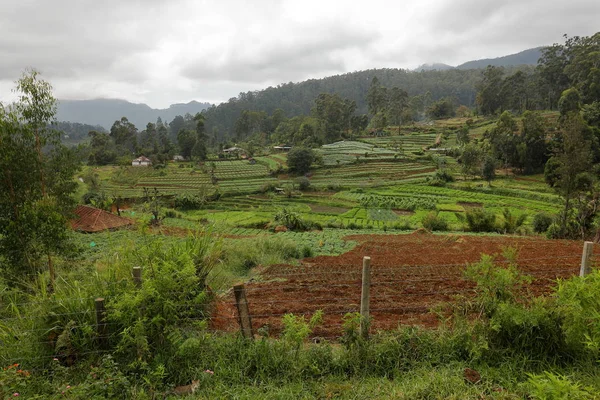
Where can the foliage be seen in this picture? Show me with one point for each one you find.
(292, 221)
(488, 170)
(549, 386)
(296, 330)
(479, 220)
(541, 222)
(510, 222)
(433, 222)
(470, 160)
(443, 108)
(147, 318)
(303, 183)
(579, 305)
(300, 159)
(37, 184)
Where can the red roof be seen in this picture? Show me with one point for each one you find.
(90, 219)
(142, 159)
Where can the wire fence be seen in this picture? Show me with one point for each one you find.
(394, 293)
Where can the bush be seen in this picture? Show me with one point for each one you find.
(548, 386)
(292, 221)
(481, 221)
(434, 222)
(579, 304)
(303, 183)
(554, 231)
(172, 214)
(188, 201)
(511, 223)
(300, 159)
(541, 222)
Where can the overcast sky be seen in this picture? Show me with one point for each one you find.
(166, 51)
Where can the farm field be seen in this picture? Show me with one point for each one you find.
(410, 275)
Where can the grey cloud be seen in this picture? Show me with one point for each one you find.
(70, 38)
(318, 50)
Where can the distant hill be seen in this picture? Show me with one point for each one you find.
(434, 67)
(105, 112)
(526, 57)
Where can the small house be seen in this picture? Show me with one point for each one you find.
(178, 158)
(141, 162)
(233, 150)
(283, 147)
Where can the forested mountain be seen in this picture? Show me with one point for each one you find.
(75, 132)
(298, 98)
(105, 112)
(526, 57)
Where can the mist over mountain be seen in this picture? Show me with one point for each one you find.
(525, 57)
(434, 67)
(105, 112)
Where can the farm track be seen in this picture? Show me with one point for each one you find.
(411, 274)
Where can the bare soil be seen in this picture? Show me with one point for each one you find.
(410, 275)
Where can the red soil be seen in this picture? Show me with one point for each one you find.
(410, 275)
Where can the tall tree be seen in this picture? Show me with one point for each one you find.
(124, 133)
(533, 136)
(397, 104)
(36, 178)
(489, 92)
(376, 97)
(199, 150)
(186, 140)
(573, 160)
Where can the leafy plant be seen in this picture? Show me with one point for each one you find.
(479, 220)
(433, 222)
(511, 223)
(541, 222)
(549, 386)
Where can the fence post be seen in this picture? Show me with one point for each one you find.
(586, 256)
(243, 312)
(101, 327)
(364, 299)
(137, 276)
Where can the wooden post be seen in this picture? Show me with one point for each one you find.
(365, 296)
(101, 327)
(243, 312)
(586, 256)
(137, 276)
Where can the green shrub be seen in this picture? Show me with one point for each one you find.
(579, 304)
(245, 254)
(513, 320)
(294, 222)
(554, 231)
(188, 201)
(511, 223)
(433, 222)
(303, 183)
(548, 386)
(541, 222)
(479, 220)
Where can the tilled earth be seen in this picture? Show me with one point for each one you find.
(410, 275)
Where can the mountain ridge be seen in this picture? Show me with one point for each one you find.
(105, 112)
(525, 57)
